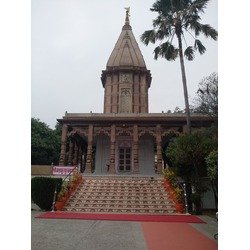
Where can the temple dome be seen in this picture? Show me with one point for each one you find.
(126, 52)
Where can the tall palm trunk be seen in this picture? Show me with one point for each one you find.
(184, 81)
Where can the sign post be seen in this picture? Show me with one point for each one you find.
(62, 170)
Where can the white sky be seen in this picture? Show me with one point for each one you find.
(72, 41)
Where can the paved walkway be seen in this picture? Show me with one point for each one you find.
(52, 234)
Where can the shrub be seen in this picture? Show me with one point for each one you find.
(169, 175)
(212, 165)
(42, 191)
(178, 194)
(63, 191)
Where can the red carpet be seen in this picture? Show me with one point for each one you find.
(121, 217)
(177, 236)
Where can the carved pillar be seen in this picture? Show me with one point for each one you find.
(63, 145)
(84, 155)
(158, 149)
(135, 150)
(70, 152)
(75, 154)
(89, 150)
(79, 160)
(112, 151)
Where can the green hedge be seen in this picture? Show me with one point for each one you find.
(42, 191)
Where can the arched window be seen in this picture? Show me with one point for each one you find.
(126, 101)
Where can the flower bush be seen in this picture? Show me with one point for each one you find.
(64, 190)
(175, 191)
(169, 175)
(178, 194)
(69, 186)
(75, 178)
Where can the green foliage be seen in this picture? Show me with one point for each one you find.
(176, 18)
(190, 150)
(169, 175)
(212, 165)
(188, 153)
(212, 173)
(198, 45)
(178, 194)
(45, 143)
(189, 53)
(167, 51)
(42, 191)
(195, 198)
(63, 191)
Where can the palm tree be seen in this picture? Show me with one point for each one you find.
(176, 17)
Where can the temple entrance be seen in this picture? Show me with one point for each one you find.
(124, 159)
(147, 155)
(102, 154)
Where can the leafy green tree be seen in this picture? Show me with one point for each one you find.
(207, 96)
(188, 153)
(212, 173)
(175, 18)
(45, 143)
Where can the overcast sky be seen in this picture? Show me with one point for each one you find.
(72, 41)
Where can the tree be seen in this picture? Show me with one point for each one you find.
(45, 143)
(212, 173)
(207, 96)
(188, 153)
(176, 17)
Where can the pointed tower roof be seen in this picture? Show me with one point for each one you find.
(126, 52)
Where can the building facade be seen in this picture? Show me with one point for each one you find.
(125, 138)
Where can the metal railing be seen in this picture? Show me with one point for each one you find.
(55, 192)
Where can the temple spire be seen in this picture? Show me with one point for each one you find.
(126, 52)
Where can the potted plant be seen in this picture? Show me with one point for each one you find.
(60, 200)
(173, 189)
(62, 196)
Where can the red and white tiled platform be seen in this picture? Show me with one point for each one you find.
(113, 194)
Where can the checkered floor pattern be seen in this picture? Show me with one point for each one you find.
(137, 195)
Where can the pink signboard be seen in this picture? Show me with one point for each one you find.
(62, 170)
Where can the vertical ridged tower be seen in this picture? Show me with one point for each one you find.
(126, 79)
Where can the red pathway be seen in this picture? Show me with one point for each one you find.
(175, 236)
(121, 217)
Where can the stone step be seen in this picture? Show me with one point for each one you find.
(139, 187)
(132, 188)
(121, 195)
(109, 205)
(118, 192)
(120, 198)
(120, 210)
(139, 184)
(120, 202)
(115, 206)
(129, 186)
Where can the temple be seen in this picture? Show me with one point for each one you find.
(125, 138)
